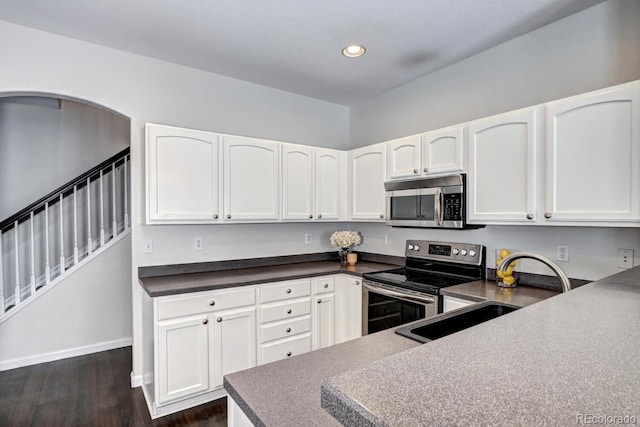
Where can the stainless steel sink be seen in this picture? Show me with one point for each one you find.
(454, 321)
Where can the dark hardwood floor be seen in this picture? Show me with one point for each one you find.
(91, 390)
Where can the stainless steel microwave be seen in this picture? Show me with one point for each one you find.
(429, 202)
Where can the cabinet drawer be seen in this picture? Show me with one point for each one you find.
(202, 302)
(323, 284)
(285, 310)
(285, 290)
(286, 348)
(289, 328)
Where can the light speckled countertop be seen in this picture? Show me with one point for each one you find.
(572, 356)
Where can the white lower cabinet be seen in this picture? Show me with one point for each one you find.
(348, 318)
(324, 310)
(452, 303)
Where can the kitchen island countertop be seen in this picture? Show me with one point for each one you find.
(565, 361)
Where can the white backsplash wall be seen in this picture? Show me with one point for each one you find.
(593, 251)
(174, 244)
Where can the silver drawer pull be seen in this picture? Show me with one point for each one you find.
(212, 303)
(289, 311)
(547, 215)
(288, 291)
(288, 329)
(319, 300)
(205, 321)
(215, 216)
(326, 285)
(219, 319)
(288, 353)
(415, 171)
(529, 216)
(357, 282)
(228, 216)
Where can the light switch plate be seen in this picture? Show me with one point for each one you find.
(147, 247)
(197, 244)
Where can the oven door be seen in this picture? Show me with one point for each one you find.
(385, 307)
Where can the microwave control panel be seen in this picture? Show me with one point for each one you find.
(452, 207)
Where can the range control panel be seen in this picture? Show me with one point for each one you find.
(466, 253)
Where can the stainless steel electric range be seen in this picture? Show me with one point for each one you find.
(402, 295)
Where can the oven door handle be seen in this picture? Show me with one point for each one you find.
(421, 299)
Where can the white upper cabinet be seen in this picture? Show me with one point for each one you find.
(182, 182)
(593, 156)
(367, 173)
(443, 151)
(330, 184)
(298, 183)
(436, 152)
(502, 168)
(251, 179)
(403, 157)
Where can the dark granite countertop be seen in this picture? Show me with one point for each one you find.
(483, 290)
(172, 284)
(554, 363)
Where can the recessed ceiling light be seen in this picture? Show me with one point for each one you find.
(353, 51)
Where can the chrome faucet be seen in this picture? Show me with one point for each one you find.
(566, 285)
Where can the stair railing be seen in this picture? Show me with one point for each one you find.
(39, 244)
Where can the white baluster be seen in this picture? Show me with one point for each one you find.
(17, 291)
(89, 239)
(62, 260)
(114, 224)
(75, 225)
(1, 278)
(126, 190)
(101, 212)
(33, 256)
(47, 265)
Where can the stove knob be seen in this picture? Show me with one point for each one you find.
(410, 247)
(416, 248)
(472, 253)
(463, 252)
(455, 251)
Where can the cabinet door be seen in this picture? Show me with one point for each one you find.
(367, 175)
(453, 303)
(323, 320)
(328, 184)
(593, 156)
(403, 157)
(502, 177)
(297, 182)
(183, 358)
(442, 150)
(233, 342)
(348, 318)
(251, 179)
(182, 175)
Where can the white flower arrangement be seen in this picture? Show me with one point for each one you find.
(345, 239)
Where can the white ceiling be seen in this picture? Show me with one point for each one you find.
(295, 45)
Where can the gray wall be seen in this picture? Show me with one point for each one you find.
(43, 148)
(592, 49)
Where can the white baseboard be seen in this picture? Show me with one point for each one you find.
(64, 354)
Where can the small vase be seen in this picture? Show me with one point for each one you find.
(343, 255)
(352, 258)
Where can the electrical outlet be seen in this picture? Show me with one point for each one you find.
(307, 239)
(147, 247)
(384, 239)
(625, 258)
(562, 253)
(197, 244)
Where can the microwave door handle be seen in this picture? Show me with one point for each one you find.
(437, 201)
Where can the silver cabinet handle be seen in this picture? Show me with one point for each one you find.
(547, 215)
(228, 216)
(219, 319)
(415, 171)
(289, 290)
(212, 303)
(357, 282)
(215, 216)
(319, 216)
(326, 285)
(289, 311)
(205, 321)
(382, 216)
(529, 216)
(310, 216)
(426, 169)
(288, 353)
(319, 300)
(288, 330)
